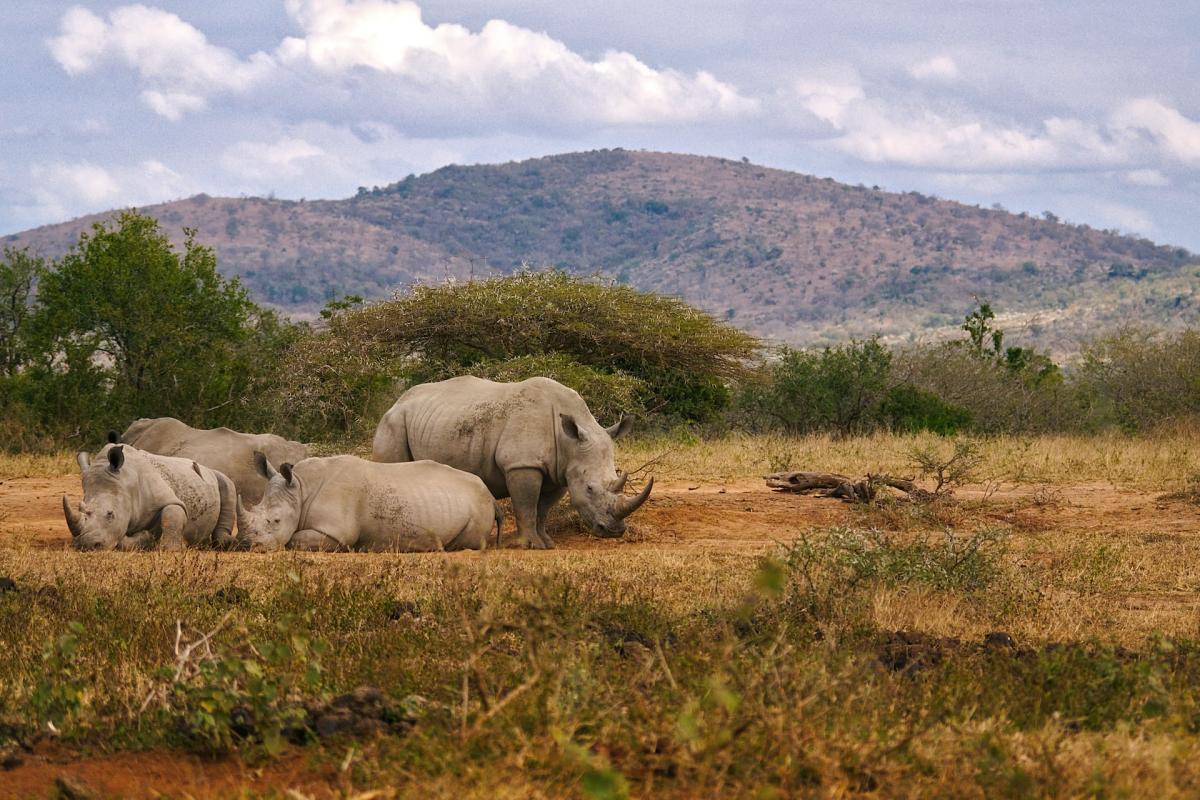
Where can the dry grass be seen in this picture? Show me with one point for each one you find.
(36, 465)
(1160, 462)
(671, 668)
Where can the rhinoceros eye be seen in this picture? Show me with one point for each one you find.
(110, 515)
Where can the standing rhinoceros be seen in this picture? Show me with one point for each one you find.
(133, 500)
(348, 503)
(228, 452)
(531, 441)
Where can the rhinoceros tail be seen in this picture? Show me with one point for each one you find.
(223, 534)
(499, 512)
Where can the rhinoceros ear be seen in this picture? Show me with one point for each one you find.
(113, 437)
(571, 428)
(262, 465)
(116, 457)
(286, 471)
(622, 428)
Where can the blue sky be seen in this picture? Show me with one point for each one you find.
(1091, 110)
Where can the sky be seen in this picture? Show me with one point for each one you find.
(1088, 109)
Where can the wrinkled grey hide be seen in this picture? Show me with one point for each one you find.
(226, 451)
(531, 441)
(134, 500)
(348, 503)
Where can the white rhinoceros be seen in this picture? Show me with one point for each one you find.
(227, 451)
(134, 500)
(348, 503)
(531, 441)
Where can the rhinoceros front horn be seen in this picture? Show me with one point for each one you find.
(73, 524)
(631, 505)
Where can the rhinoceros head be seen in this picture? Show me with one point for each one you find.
(102, 519)
(592, 479)
(270, 524)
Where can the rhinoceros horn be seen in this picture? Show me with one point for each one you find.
(618, 486)
(631, 505)
(241, 515)
(73, 524)
(81, 458)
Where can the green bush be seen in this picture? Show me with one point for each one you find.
(840, 389)
(907, 409)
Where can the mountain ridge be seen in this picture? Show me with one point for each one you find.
(790, 257)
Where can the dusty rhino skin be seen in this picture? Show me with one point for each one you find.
(348, 503)
(532, 441)
(228, 452)
(133, 500)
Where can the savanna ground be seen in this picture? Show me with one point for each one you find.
(1038, 633)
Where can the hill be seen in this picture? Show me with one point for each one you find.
(787, 256)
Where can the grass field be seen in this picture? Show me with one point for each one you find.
(1033, 635)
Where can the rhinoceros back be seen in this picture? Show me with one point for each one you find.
(479, 426)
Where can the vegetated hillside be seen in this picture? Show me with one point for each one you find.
(787, 256)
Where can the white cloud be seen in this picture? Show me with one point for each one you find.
(1146, 177)
(938, 68)
(174, 60)
(381, 52)
(284, 158)
(1175, 133)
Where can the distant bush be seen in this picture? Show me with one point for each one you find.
(994, 396)
(839, 388)
(1140, 380)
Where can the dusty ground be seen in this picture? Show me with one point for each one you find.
(723, 519)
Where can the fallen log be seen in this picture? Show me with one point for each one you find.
(864, 490)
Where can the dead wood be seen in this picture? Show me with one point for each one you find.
(831, 484)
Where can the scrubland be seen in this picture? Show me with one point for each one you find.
(1034, 633)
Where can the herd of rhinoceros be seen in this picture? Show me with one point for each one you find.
(442, 455)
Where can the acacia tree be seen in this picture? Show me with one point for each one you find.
(128, 326)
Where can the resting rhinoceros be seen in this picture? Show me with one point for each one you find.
(226, 451)
(133, 500)
(348, 503)
(531, 441)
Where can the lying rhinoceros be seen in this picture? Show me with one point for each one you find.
(134, 500)
(347, 503)
(228, 452)
(531, 441)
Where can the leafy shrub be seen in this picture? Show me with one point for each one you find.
(249, 694)
(58, 695)
(841, 389)
(907, 409)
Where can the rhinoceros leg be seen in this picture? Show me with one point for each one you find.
(309, 539)
(546, 502)
(174, 520)
(525, 489)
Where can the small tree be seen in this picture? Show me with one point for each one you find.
(126, 326)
